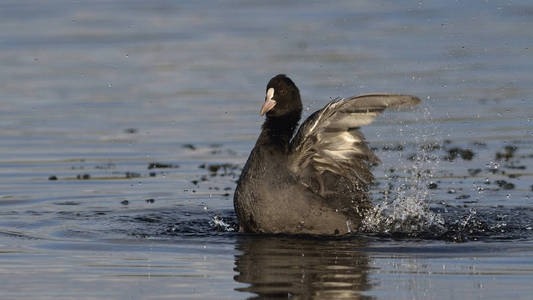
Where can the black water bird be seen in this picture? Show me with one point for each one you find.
(314, 182)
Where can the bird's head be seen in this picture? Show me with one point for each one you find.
(282, 97)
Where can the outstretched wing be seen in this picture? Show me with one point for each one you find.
(329, 141)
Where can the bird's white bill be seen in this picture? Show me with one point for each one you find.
(269, 102)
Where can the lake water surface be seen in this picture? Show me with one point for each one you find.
(125, 124)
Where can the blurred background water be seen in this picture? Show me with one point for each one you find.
(124, 125)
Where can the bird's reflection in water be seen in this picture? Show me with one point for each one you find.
(281, 267)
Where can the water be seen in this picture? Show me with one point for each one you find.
(102, 90)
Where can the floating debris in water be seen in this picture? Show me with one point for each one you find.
(83, 176)
(189, 146)
(53, 177)
(508, 153)
(398, 147)
(229, 169)
(465, 154)
(158, 165)
(124, 202)
(432, 185)
(131, 130)
(515, 167)
(215, 167)
(430, 147)
(480, 144)
(132, 175)
(150, 200)
(505, 185)
(105, 166)
(474, 172)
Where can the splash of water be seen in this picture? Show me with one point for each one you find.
(219, 224)
(405, 205)
(406, 212)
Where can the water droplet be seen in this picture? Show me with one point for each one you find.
(493, 165)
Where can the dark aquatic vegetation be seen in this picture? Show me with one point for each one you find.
(226, 168)
(505, 185)
(131, 130)
(189, 146)
(159, 165)
(456, 152)
(132, 175)
(432, 186)
(508, 153)
(398, 147)
(474, 172)
(85, 176)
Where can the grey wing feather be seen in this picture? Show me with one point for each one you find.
(330, 140)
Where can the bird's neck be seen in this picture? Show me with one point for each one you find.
(279, 130)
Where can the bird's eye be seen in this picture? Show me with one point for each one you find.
(283, 92)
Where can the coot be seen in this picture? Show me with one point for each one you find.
(314, 182)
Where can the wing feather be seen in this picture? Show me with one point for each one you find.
(330, 140)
